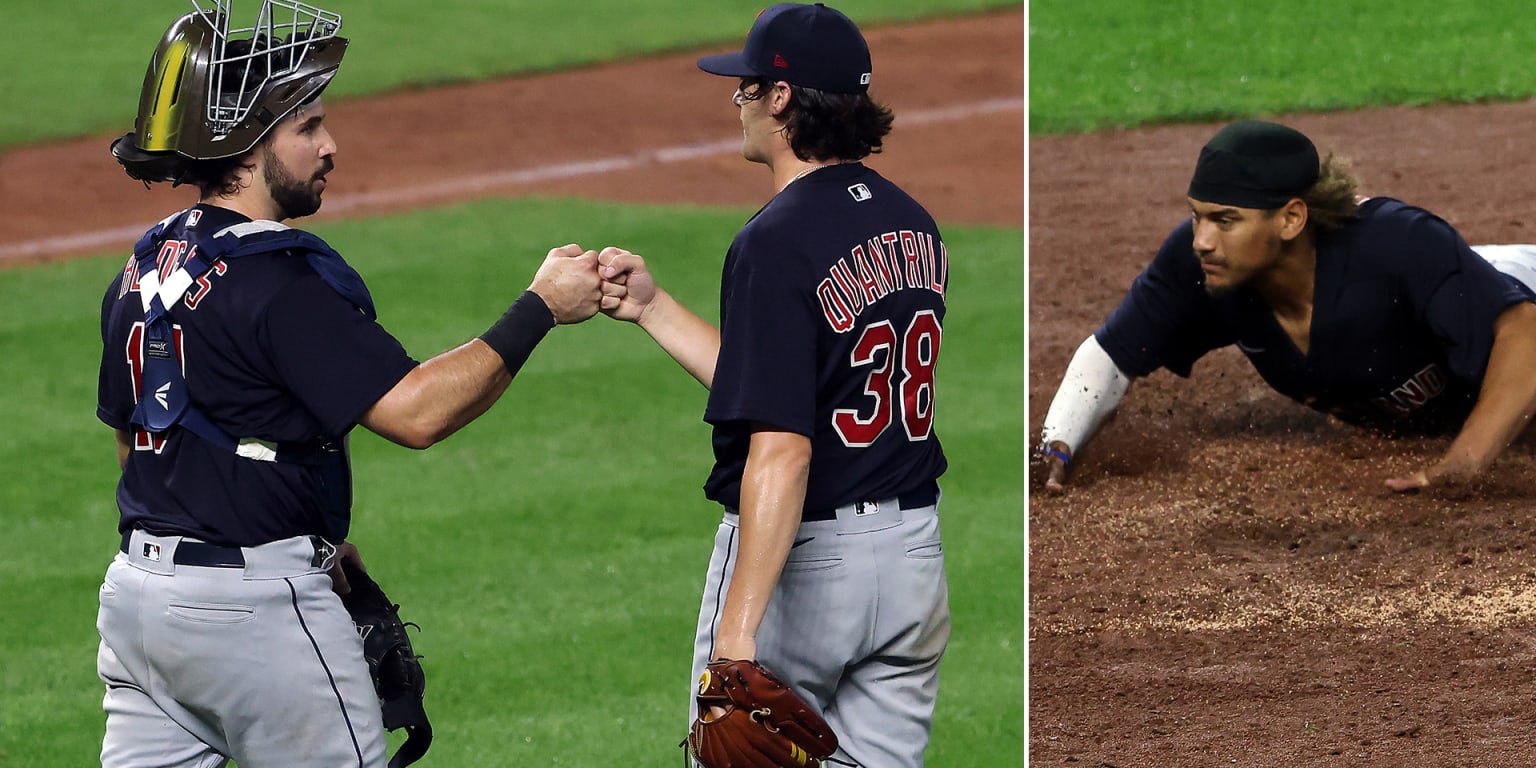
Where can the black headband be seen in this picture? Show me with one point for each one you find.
(1254, 164)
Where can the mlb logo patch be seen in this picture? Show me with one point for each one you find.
(860, 193)
(152, 552)
(194, 217)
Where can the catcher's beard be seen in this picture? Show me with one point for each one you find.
(294, 198)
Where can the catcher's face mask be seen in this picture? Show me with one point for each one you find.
(213, 90)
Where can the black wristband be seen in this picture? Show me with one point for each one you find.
(519, 330)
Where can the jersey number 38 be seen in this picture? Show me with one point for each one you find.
(907, 396)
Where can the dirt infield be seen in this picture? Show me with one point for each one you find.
(651, 130)
(1228, 581)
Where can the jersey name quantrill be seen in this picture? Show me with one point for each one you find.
(874, 269)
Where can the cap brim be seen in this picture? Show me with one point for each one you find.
(727, 65)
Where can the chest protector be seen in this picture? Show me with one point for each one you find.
(163, 399)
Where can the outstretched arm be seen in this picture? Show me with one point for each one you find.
(630, 293)
(1504, 407)
(1090, 390)
(442, 395)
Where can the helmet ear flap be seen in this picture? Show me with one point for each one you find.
(148, 166)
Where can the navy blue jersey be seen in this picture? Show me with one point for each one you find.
(1402, 322)
(269, 351)
(831, 318)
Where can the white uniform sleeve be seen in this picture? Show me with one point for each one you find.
(1089, 393)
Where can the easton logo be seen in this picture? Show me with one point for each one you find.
(162, 395)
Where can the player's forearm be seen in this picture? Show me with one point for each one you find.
(772, 496)
(1507, 400)
(440, 396)
(691, 340)
(1090, 390)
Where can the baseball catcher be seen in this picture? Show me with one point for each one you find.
(238, 356)
(396, 669)
(748, 718)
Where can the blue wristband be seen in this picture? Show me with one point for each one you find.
(1065, 457)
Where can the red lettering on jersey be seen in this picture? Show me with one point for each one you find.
(940, 269)
(1415, 392)
(848, 284)
(912, 251)
(172, 254)
(892, 254)
(876, 268)
(879, 269)
(130, 281)
(833, 307)
(868, 280)
(205, 283)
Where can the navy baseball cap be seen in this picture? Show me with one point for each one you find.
(807, 45)
(1254, 164)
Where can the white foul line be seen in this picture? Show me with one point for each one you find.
(454, 188)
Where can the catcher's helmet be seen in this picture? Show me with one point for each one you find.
(213, 91)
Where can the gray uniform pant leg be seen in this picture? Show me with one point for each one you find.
(857, 625)
(1517, 261)
(261, 665)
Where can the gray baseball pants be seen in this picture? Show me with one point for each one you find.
(260, 663)
(857, 625)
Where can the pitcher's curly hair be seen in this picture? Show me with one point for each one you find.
(822, 125)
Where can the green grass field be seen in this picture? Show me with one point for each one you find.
(1126, 63)
(552, 551)
(76, 65)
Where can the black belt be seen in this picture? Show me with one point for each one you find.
(925, 495)
(200, 553)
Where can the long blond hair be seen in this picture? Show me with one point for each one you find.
(1331, 202)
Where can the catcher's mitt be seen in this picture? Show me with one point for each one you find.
(765, 724)
(396, 669)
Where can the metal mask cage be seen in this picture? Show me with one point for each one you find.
(281, 38)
